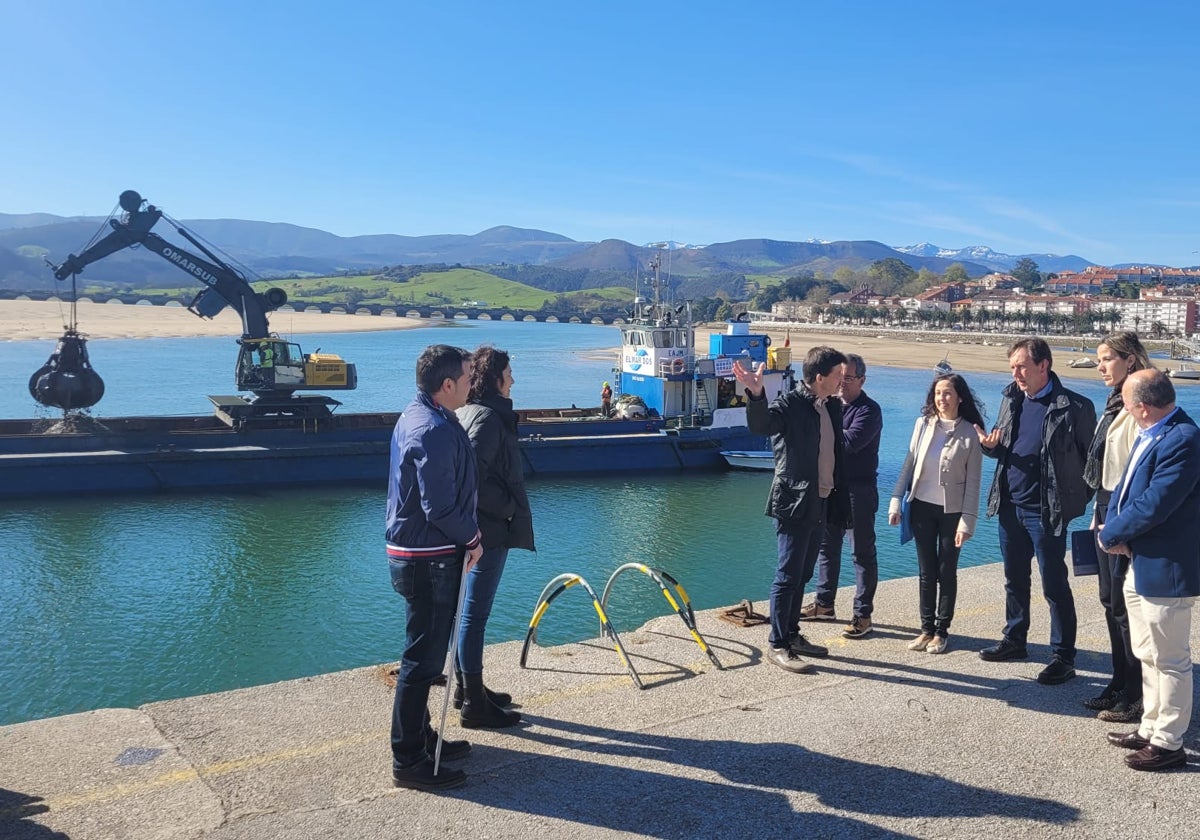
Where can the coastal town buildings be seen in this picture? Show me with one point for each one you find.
(1085, 301)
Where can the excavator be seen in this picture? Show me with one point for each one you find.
(270, 367)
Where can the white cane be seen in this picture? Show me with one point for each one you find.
(441, 732)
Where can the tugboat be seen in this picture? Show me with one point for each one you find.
(691, 405)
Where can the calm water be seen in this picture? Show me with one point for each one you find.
(121, 601)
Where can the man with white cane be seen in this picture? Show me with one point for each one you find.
(432, 541)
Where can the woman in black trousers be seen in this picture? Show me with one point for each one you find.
(1119, 354)
(941, 476)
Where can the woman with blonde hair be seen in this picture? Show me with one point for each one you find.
(941, 477)
(1119, 354)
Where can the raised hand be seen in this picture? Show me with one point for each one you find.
(752, 380)
(988, 440)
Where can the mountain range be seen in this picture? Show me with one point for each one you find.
(272, 249)
(983, 255)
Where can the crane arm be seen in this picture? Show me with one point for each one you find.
(226, 287)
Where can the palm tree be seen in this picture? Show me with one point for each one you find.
(1158, 328)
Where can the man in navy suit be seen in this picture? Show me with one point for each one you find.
(1154, 521)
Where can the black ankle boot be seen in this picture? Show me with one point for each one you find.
(478, 711)
(499, 698)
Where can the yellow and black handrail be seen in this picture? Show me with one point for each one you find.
(555, 588)
(682, 607)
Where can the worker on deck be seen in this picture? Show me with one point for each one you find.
(606, 401)
(267, 363)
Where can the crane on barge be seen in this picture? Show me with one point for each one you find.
(270, 367)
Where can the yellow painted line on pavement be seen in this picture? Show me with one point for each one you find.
(122, 790)
(125, 790)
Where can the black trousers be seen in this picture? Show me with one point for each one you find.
(937, 558)
(1126, 668)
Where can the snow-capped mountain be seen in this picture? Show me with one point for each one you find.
(671, 245)
(995, 260)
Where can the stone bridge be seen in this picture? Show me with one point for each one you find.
(459, 313)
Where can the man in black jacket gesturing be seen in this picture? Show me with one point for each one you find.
(809, 487)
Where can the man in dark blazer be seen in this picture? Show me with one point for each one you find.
(1154, 521)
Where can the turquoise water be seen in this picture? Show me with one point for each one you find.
(122, 601)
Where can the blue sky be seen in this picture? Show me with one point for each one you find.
(1029, 127)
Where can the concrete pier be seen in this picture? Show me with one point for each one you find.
(881, 742)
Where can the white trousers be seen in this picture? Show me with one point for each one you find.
(1160, 630)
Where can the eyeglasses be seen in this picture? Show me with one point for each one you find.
(849, 378)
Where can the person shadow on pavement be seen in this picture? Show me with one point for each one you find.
(599, 775)
(15, 810)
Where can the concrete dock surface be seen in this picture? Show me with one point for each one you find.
(880, 742)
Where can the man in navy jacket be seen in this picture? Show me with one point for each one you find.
(431, 532)
(1154, 520)
(862, 425)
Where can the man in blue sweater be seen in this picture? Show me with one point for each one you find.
(862, 425)
(431, 533)
(1040, 442)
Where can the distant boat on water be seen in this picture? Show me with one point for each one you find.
(740, 460)
(943, 367)
(1082, 362)
(1182, 372)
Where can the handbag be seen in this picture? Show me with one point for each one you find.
(1085, 558)
(906, 534)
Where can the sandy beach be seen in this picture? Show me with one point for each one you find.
(27, 320)
(905, 351)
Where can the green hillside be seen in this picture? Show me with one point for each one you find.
(451, 287)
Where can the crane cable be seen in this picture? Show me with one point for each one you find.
(74, 319)
(246, 271)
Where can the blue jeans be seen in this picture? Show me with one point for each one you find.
(1022, 537)
(430, 589)
(482, 582)
(798, 547)
(864, 504)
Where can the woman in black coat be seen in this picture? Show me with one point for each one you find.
(505, 522)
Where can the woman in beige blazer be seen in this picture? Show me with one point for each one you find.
(941, 476)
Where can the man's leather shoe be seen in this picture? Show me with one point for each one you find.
(1003, 652)
(420, 776)
(814, 609)
(786, 659)
(1128, 740)
(1057, 672)
(1151, 757)
(804, 647)
(451, 750)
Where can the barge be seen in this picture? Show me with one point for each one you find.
(676, 409)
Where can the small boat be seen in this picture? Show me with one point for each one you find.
(1082, 362)
(1184, 372)
(760, 460)
(943, 367)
